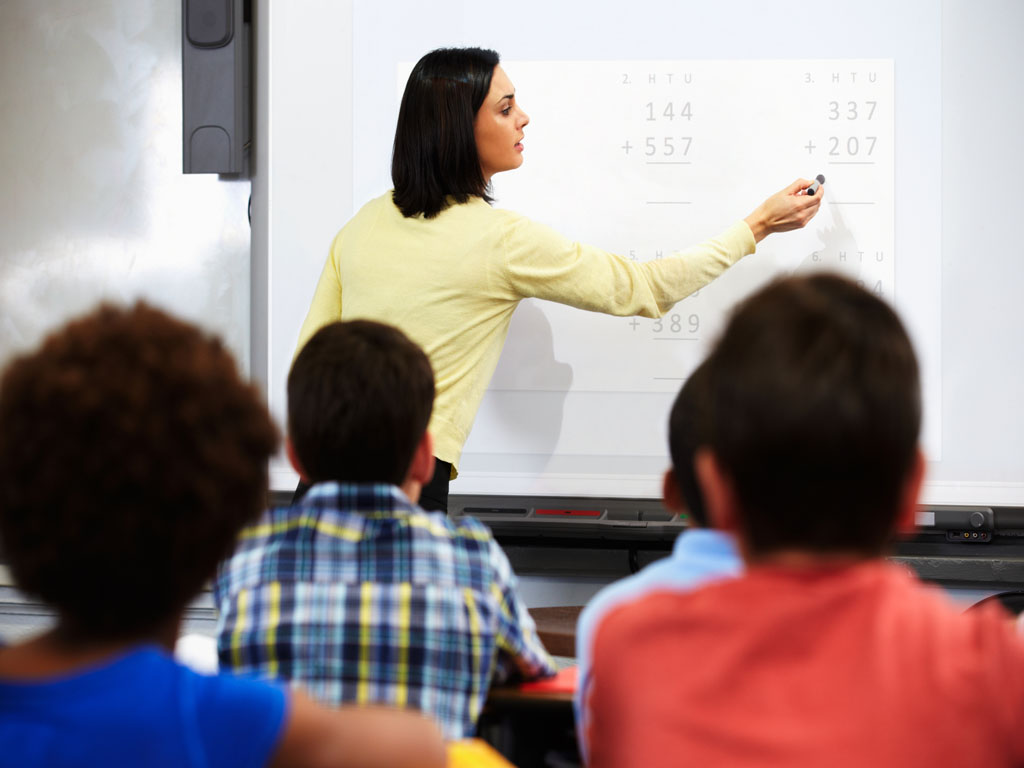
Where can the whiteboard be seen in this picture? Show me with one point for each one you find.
(579, 401)
(681, 148)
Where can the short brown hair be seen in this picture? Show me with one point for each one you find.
(360, 395)
(816, 411)
(687, 431)
(131, 453)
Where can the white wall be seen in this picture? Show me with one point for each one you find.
(298, 132)
(93, 203)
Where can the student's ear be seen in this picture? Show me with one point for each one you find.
(671, 495)
(906, 521)
(719, 495)
(293, 458)
(421, 470)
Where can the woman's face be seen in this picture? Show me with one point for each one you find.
(498, 127)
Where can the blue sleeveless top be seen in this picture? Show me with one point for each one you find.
(140, 709)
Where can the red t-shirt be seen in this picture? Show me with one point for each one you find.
(854, 666)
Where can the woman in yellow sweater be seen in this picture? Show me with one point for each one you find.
(435, 259)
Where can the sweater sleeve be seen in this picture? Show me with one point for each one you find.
(326, 305)
(543, 264)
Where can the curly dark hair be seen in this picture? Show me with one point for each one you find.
(131, 453)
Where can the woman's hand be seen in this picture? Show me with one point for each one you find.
(785, 210)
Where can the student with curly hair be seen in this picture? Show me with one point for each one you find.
(131, 453)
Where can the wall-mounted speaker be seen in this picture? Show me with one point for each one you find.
(215, 85)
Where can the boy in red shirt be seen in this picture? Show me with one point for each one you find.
(822, 653)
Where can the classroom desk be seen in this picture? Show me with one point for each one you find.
(556, 627)
(532, 727)
(512, 697)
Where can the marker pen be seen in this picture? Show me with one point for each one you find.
(818, 181)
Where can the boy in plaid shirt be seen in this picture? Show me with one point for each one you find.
(354, 593)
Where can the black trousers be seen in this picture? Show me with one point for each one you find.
(433, 497)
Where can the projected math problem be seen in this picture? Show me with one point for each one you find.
(646, 158)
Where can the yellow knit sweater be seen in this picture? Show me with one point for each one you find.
(452, 282)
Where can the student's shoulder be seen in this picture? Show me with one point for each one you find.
(473, 542)
(931, 614)
(240, 696)
(457, 529)
(211, 697)
(933, 629)
(625, 590)
(237, 714)
(699, 558)
(631, 599)
(656, 602)
(272, 522)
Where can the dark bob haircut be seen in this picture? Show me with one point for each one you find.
(815, 399)
(131, 453)
(360, 395)
(687, 431)
(435, 155)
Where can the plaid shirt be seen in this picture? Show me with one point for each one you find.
(358, 595)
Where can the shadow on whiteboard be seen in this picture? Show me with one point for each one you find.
(527, 369)
(840, 251)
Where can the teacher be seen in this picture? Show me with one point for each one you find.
(433, 258)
